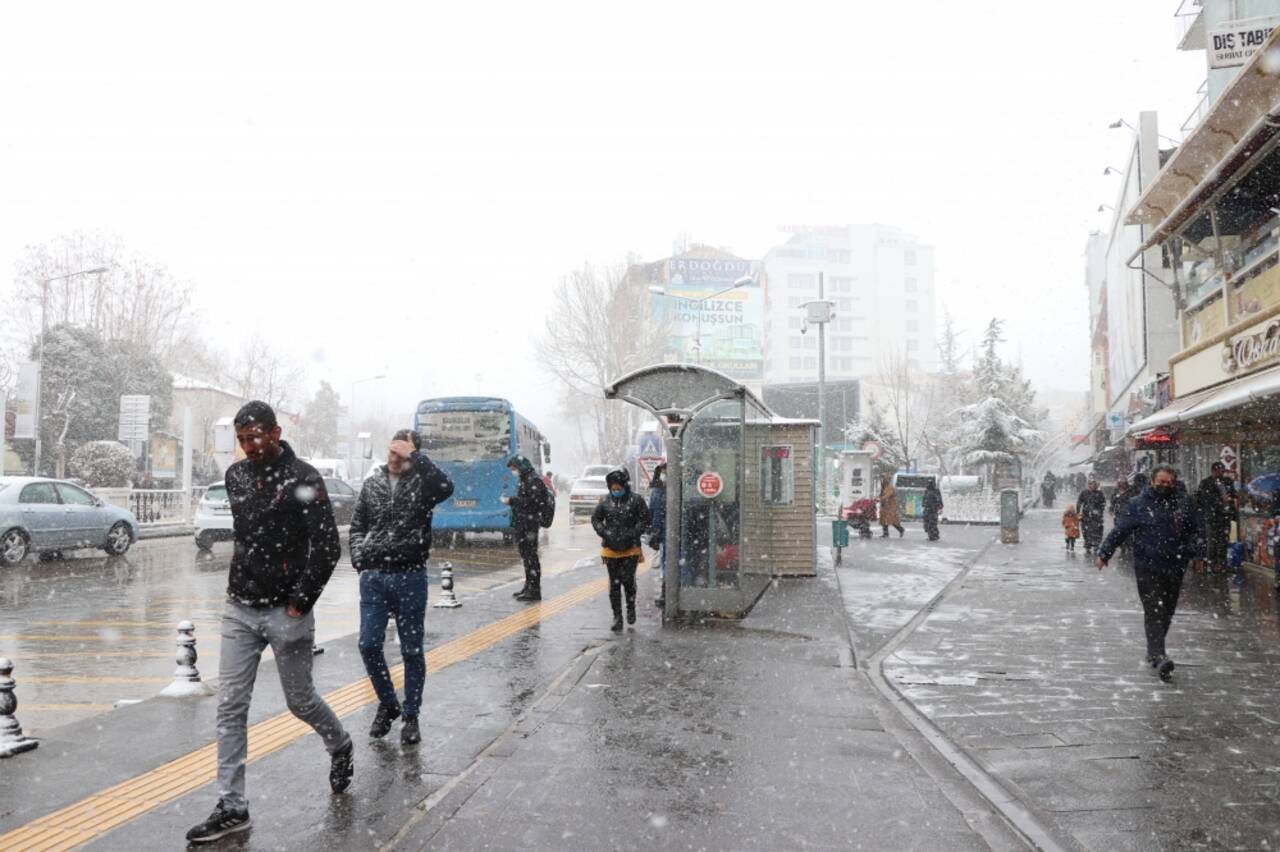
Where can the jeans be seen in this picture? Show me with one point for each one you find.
(403, 594)
(527, 545)
(246, 632)
(1159, 592)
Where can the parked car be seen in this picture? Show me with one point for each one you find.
(40, 515)
(213, 514)
(586, 492)
(594, 470)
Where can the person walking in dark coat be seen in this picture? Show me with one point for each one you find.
(620, 520)
(1048, 489)
(1162, 526)
(1092, 506)
(658, 527)
(531, 505)
(932, 509)
(390, 545)
(286, 546)
(1216, 506)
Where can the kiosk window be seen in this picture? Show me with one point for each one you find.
(778, 464)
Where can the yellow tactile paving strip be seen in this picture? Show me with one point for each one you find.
(98, 814)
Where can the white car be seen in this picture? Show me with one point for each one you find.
(213, 517)
(586, 492)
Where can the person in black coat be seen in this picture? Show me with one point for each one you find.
(390, 545)
(658, 527)
(1092, 506)
(1163, 528)
(620, 520)
(932, 508)
(531, 502)
(1216, 506)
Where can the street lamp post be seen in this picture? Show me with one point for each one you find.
(697, 338)
(819, 312)
(44, 307)
(352, 418)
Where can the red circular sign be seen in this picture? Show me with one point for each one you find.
(710, 484)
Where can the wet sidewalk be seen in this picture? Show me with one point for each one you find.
(1033, 664)
(543, 730)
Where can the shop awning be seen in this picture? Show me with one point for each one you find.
(1259, 386)
(1241, 120)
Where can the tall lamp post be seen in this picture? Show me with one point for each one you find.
(44, 308)
(352, 418)
(819, 312)
(697, 339)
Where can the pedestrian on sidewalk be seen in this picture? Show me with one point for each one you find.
(390, 545)
(1216, 505)
(890, 514)
(1162, 525)
(932, 509)
(286, 546)
(658, 527)
(1071, 527)
(620, 519)
(532, 507)
(1092, 506)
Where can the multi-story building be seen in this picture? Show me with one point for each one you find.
(1212, 218)
(881, 281)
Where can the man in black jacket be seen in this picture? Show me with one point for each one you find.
(390, 546)
(620, 520)
(528, 505)
(1165, 539)
(1092, 506)
(286, 546)
(1216, 502)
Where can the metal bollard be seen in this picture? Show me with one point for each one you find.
(447, 599)
(12, 740)
(186, 679)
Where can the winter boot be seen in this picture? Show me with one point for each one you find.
(617, 623)
(631, 610)
(341, 768)
(524, 590)
(409, 734)
(1164, 668)
(531, 595)
(387, 713)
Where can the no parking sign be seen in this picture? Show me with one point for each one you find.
(710, 484)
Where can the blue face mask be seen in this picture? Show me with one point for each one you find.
(617, 492)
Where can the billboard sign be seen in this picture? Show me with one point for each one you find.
(700, 305)
(135, 419)
(24, 420)
(1232, 43)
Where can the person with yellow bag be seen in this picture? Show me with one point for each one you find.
(620, 519)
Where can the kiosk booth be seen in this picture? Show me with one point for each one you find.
(740, 488)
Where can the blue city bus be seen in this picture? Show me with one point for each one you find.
(471, 438)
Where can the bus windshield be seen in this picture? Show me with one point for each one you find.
(466, 436)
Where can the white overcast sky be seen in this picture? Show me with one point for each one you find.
(404, 185)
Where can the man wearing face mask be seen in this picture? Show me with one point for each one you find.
(620, 520)
(1162, 525)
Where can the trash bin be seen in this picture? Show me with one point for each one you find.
(839, 536)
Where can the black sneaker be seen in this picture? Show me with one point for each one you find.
(617, 623)
(341, 767)
(523, 590)
(1165, 669)
(631, 615)
(387, 713)
(530, 596)
(220, 823)
(409, 734)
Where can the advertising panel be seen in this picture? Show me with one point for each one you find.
(730, 325)
(1126, 293)
(1232, 43)
(24, 421)
(164, 457)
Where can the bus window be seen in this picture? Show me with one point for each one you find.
(465, 436)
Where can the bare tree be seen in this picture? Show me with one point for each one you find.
(260, 371)
(135, 299)
(910, 399)
(600, 327)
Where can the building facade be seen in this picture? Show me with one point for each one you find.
(881, 280)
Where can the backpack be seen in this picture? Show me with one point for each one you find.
(547, 507)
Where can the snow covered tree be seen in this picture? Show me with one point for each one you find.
(103, 464)
(873, 425)
(990, 434)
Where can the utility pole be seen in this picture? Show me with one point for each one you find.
(822, 395)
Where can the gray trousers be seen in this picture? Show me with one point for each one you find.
(246, 632)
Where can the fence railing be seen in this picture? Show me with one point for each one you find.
(981, 507)
(154, 506)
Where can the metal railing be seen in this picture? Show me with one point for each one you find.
(155, 506)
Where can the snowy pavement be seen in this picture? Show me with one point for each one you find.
(1033, 665)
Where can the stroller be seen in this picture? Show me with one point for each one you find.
(861, 514)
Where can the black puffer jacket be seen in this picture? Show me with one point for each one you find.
(393, 532)
(531, 497)
(620, 521)
(286, 542)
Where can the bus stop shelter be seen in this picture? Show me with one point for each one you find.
(740, 488)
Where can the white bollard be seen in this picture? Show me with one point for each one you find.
(447, 599)
(12, 740)
(186, 679)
